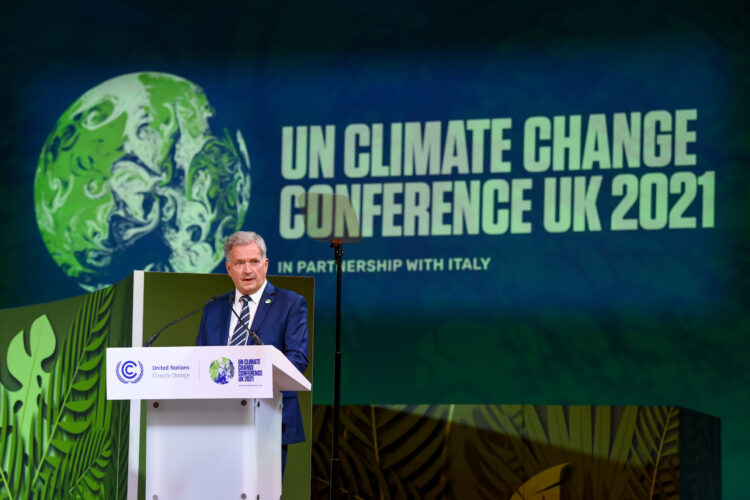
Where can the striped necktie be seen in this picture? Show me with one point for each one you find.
(239, 337)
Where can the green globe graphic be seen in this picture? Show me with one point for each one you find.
(221, 370)
(132, 177)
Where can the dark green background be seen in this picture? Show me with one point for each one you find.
(512, 339)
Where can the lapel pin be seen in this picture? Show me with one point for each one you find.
(268, 301)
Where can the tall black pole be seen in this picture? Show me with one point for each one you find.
(338, 255)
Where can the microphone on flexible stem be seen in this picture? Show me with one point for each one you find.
(254, 335)
(156, 335)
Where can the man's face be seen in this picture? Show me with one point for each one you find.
(247, 268)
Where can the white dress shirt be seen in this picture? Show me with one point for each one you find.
(237, 306)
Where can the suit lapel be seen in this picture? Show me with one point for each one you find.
(226, 306)
(266, 301)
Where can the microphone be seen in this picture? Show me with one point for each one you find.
(255, 337)
(156, 335)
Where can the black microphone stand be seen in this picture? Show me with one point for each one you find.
(338, 255)
(155, 336)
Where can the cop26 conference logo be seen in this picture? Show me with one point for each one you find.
(133, 177)
(221, 370)
(128, 372)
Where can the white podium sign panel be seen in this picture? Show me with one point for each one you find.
(211, 372)
(213, 417)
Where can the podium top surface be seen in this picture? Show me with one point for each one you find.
(206, 372)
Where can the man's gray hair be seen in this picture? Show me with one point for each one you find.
(244, 238)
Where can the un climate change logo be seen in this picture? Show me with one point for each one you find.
(221, 370)
(129, 372)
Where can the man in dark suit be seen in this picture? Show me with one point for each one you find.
(278, 316)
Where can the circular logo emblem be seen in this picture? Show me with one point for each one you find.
(129, 372)
(221, 370)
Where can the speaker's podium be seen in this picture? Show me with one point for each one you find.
(213, 417)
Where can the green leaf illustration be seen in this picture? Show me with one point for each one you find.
(26, 368)
(502, 451)
(395, 452)
(116, 479)
(543, 486)
(506, 445)
(655, 450)
(11, 450)
(74, 409)
(86, 465)
(74, 426)
(59, 436)
(491, 454)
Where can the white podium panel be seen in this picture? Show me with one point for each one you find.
(210, 372)
(213, 448)
(213, 417)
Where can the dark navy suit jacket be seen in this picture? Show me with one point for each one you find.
(280, 321)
